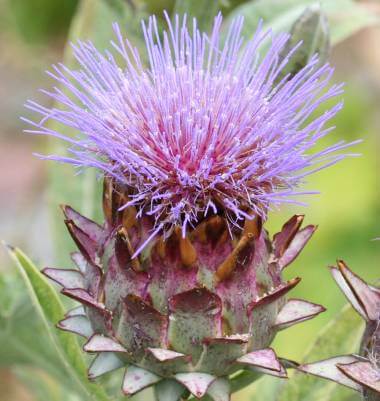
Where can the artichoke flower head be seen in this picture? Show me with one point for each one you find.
(181, 285)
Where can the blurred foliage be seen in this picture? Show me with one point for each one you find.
(347, 211)
(40, 20)
(203, 10)
(345, 16)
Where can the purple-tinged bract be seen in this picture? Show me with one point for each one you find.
(359, 372)
(211, 126)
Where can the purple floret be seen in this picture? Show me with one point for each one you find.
(208, 126)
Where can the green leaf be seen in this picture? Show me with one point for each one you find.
(53, 20)
(50, 309)
(346, 17)
(9, 294)
(203, 10)
(16, 326)
(341, 336)
(312, 29)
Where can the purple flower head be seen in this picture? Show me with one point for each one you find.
(208, 127)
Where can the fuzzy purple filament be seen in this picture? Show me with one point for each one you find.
(208, 125)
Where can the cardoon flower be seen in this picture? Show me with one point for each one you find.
(359, 372)
(182, 284)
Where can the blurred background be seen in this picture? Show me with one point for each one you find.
(33, 35)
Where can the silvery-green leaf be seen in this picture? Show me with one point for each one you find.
(22, 348)
(50, 309)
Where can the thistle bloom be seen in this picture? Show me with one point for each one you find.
(210, 126)
(182, 285)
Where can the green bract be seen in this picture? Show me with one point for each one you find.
(188, 312)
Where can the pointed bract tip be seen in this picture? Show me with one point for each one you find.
(8, 247)
(328, 369)
(363, 298)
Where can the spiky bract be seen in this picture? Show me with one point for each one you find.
(188, 312)
(359, 372)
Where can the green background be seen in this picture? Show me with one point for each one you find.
(32, 36)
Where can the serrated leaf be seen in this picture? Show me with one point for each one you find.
(50, 309)
(346, 17)
(341, 336)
